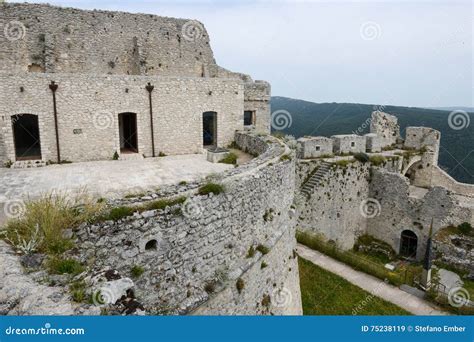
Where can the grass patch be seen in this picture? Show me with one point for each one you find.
(357, 262)
(324, 293)
(343, 163)
(240, 284)
(377, 160)
(251, 252)
(44, 220)
(78, 291)
(211, 188)
(137, 271)
(231, 158)
(57, 265)
(263, 249)
(285, 157)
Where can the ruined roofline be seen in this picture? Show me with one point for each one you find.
(94, 11)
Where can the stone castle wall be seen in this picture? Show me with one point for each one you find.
(88, 108)
(207, 241)
(67, 40)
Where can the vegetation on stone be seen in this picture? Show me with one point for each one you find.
(211, 188)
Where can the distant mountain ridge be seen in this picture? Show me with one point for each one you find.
(326, 119)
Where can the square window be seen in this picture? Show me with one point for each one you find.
(318, 148)
(353, 143)
(249, 118)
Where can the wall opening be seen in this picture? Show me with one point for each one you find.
(151, 245)
(408, 244)
(249, 118)
(26, 137)
(209, 128)
(128, 133)
(353, 143)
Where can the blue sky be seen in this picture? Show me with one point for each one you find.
(379, 52)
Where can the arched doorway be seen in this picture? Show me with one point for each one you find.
(209, 129)
(408, 244)
(128, 133)
(26, 137)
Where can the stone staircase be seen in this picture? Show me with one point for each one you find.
(316, 178)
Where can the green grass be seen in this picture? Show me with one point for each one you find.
(324, 293)
(137, 271)
(356, 261)
(362, 157)
(211, 188)
(58, 265)
(231, 158)
(377, 160)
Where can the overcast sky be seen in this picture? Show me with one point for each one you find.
(386, 52)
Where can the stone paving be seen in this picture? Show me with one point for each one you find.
(103, 178)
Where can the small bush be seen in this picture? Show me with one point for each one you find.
(231, 158)
(240, 284)
(263, 249)
(362, 157)
(343, 163)
(285, 157)
(115, 156)
(251, 252)
(78, 291)
(137, 271)
(183, 183)
(266, 301)
(161, 154)
(377, 160)
(162, 204)
(118, 213)
(263, 265)
(465, 228)
(58, 265)
(211, 188)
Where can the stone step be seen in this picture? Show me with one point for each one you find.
(27, 164)
(131, 156)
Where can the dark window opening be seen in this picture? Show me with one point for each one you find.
(353, 144)
(128, 133)
(408, 244)
(318, 148)
(151, 245)
(209, 128)
(26, 137)
(249, 118)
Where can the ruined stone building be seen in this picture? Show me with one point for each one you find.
(83, 85)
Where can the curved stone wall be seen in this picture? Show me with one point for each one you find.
(230, 253)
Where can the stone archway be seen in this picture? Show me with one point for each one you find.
(408, 244)
(26, 137)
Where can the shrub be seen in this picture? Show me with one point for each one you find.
(118, 213)
(263, 249)
(115, 156)
(362, 157)
(136, 271)
(285, 157)
(163, 203)
(240, 284)
(343, 163)
(231, 158)
(210, 287)
(45, 219)
(465, 228)
(58, 265)
(211, 188)
(78, 291)
(263, 265)
(161, 154)
(377, 160)
(251, 252)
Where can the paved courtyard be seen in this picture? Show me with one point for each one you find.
(104, 178)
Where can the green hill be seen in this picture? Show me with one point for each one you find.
(326, 119)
